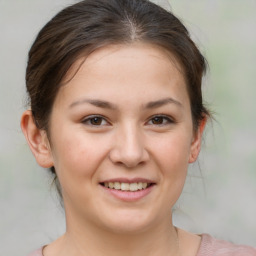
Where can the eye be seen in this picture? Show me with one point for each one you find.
(95, 121)
(160, 120)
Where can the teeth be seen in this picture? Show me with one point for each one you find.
(126, 186)
(117, 185)
(134, 187)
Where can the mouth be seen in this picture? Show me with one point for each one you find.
(128, 190)
(127, 186)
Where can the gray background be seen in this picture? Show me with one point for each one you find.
(219, 196)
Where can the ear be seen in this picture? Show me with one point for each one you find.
(196, 143)
(37, 140)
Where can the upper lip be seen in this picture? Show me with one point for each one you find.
(128, 180)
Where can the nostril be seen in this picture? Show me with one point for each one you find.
(129, 151)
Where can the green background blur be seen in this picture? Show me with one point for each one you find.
(220, 193)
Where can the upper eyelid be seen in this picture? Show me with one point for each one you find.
(167, 117)
(87, 118)
(163, 116)
(94, 115)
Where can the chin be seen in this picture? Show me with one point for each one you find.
(128, 222)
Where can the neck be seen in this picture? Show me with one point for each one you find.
(162, 239)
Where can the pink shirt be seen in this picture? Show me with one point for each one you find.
(209, 247)
(213, 247)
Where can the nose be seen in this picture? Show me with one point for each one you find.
(129, 147)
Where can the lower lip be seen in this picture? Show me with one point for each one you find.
(129, 196)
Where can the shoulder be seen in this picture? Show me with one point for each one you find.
(38, 252)
(214, 247)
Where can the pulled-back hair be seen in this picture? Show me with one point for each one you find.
(82, 28)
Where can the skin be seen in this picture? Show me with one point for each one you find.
(125, 141)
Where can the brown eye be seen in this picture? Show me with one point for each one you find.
(160, 120)
(157, 120)
(95, 121)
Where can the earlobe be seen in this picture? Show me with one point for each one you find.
(37, 140)
(196, 143)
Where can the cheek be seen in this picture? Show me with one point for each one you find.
(77, 159)
(171, 156)
(173, 150)
(77, 155)
(172, 160)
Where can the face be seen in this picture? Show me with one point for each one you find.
(121, 138)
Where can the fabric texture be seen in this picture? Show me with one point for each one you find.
(214, 247)
(209, 247)
(38, 252)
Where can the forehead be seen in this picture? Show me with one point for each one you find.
(125, 52)
(123, 73)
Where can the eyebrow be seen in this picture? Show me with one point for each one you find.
(108, 105)
(162, 102)
(94, 102)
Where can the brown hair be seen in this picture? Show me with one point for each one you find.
(88, 25)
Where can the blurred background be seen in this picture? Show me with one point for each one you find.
(220, 194)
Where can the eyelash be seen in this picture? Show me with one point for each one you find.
(89, 120)
(166, 120)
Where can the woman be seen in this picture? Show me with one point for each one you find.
(116, 114)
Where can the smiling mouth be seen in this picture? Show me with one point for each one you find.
(123, 186)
